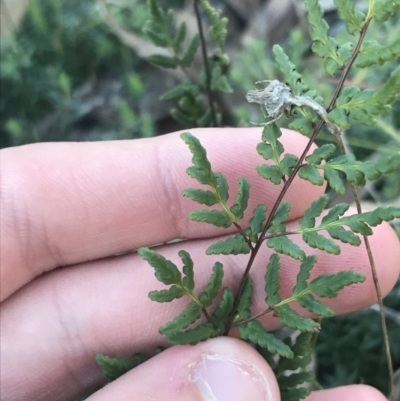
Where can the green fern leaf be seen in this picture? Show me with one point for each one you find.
(187, 317)
(213, 287)
(380, 214)
(318, 241)
(165, 270)
(182, 118)
(201, 170)
(333, 215)
(353, 18)
(224, 308)
(310, 173)
(188, 57)
(290, 318)
(302, 124)
(215, 217)
(366, 105)
(255, 332)
(186, 88)
(112, 368)
(270, 148)
(374, 53)
(202, 332)
(347, 237)
(272, 284)
(318, 308)
(271, 173)
(169, 295)
(315, 210)
(286, 246)
(295, 394)
(219, 81)
(328, 285)
(180, 36)
(295, 379)
(335, 181)
(290, 75)
(256, 223)
(152, 31)
(218, 24)
(384, 9)
(245, 301)
(242, 198)
(304, 274)
(222, 186)
(163, 61)
(323, 45)
(281, 216)
(232, 246)
(188, 280)
(200, 196)
(322, 153)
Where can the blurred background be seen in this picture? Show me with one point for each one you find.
(76, 70)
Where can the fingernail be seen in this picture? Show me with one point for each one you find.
(221, 378)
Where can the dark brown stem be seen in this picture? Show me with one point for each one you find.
(206, 63)
(376, 282)
(207, 316)
(346, 69)
(339, 141)
(256, 316)
(268, 222)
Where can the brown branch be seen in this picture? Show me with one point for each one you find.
(206, 63)
(256, 316)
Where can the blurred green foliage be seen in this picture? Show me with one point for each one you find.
(61, 51)
(62, 65)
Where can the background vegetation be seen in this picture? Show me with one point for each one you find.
(77, 71)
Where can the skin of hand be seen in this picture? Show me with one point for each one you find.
(69, 290)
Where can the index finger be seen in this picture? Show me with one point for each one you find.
(65, 203)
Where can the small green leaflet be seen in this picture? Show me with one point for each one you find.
(272, 284)
(169, 295)
(200, 196)
(202, 332)
(188, 57)
(188, 280)
(323, 45)
(165, 270)
(328, 285)
(242, 198)
(373, 53)
(217, 218)
(168, 273)
(354, 19)
(333, 223)
(286, 246)
(384, 9)
(272, 149)
(365, 105)
(289, 71)
(112, 368)
(295, 394)
(201, 169)
(224, 309)
(245, 301)
(183, 89)
(255, 332)
(187, 317)
(290, 318)
(256, 223)
(212, 288)
(232, 246)
(163, 61)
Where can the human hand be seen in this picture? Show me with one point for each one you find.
(69, 208)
